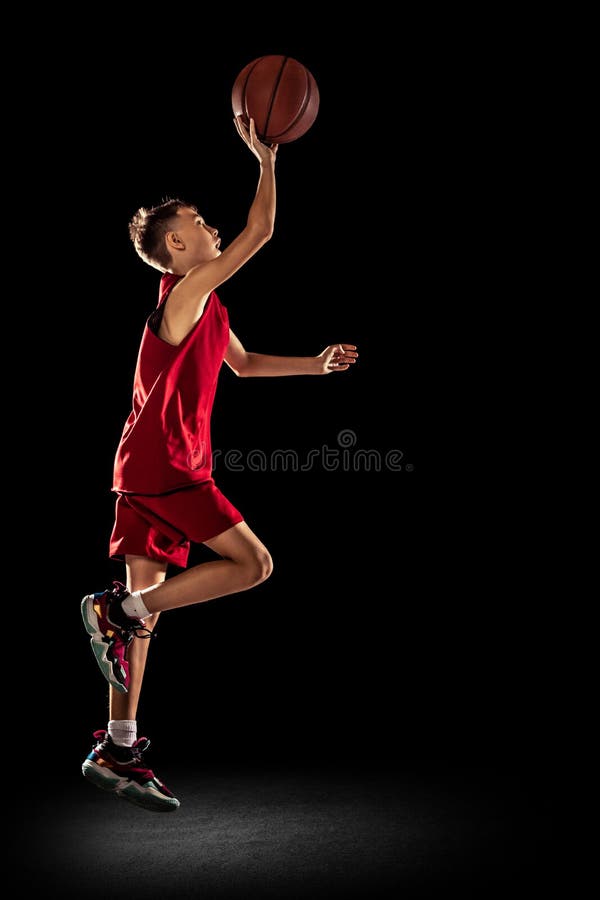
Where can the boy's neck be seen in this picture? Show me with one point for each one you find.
(180, 270)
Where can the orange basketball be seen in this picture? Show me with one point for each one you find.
(280, 94)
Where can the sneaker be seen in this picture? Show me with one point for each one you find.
(111, 633)
(121, 770)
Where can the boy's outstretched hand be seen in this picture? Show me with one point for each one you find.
(336, 358)
(262, 152)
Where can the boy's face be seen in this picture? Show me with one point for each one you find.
(201, 241)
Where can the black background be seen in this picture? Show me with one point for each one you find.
(394, 627)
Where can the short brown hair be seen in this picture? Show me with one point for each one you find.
(148, 228)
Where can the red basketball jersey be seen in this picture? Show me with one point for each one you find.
(166, 440)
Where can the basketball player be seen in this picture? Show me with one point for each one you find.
(166, 496)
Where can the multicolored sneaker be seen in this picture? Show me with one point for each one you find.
(111, 633)
(121, 769)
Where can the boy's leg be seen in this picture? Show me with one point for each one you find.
(141, 573)
(120, 768)
(245, 563)
(114, 617)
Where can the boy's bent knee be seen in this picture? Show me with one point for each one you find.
(260, 567)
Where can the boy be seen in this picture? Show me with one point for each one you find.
(166, 496)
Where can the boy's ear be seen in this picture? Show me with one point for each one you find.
(173, 240)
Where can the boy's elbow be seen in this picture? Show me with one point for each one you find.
(264, 235)
(262, 232)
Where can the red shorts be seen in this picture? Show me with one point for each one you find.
(163, 527)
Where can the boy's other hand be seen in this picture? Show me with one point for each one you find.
(336, 358)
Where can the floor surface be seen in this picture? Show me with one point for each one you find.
(288, 834)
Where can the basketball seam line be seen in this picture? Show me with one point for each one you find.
(300, 112)
(274, 94)
(297, 119)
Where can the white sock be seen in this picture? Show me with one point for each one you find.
(123, 732)
(134, 607)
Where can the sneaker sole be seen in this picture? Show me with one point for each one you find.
(102, 777)
(109, 781)
(147, 798)
(99, 647)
